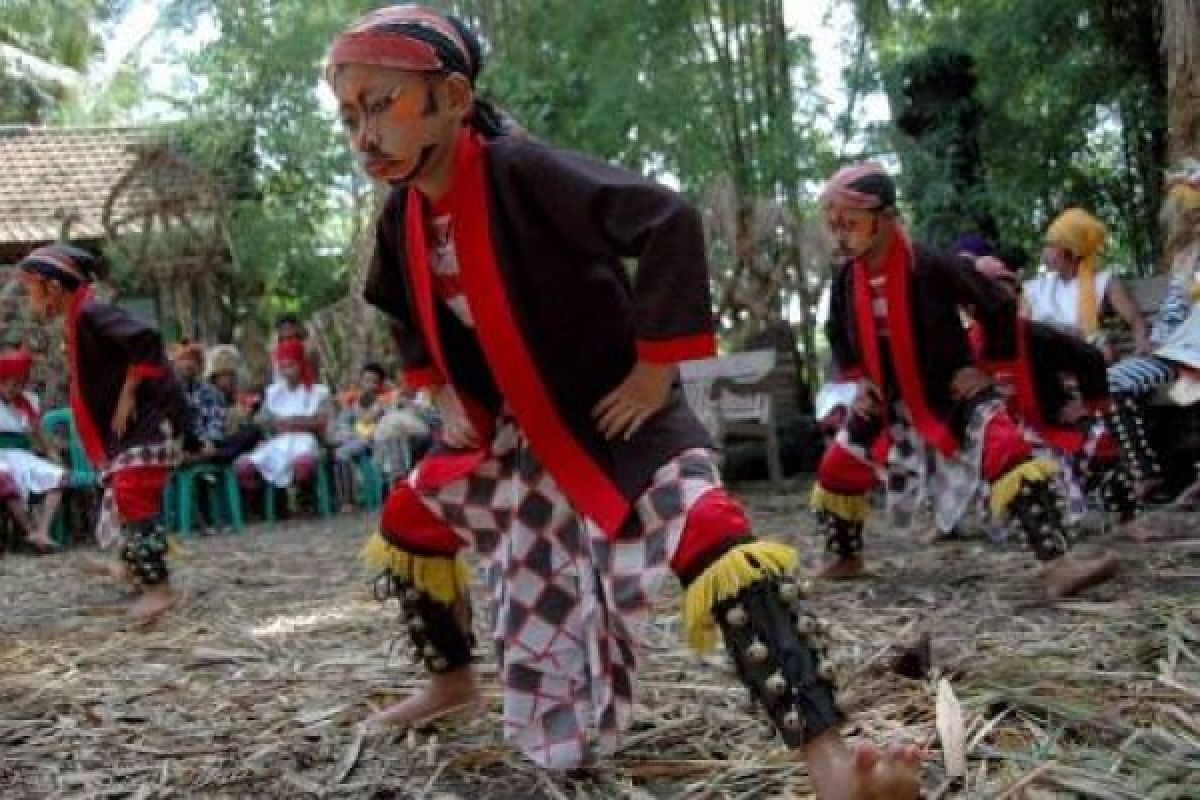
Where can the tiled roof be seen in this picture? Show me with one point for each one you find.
(49, 173)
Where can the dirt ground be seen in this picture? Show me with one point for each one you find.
(253, 688)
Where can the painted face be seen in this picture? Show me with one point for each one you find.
(398, 122)
(856, 232)
(45, 297)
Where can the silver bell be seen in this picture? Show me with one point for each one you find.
(776, 684)
(736, 616)
(430, 651)
(806, 626)
(757, 652)
(412, 596)
(789, 591)
(416, 624)
(828, 672)
(792, 721)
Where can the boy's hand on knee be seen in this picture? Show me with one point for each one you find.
(641, 395)
(457, 431)
(968, 382)
(868, 401)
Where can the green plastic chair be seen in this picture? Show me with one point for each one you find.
(179, 501)
(81, 473)
(371, 483)
(324, 493)
(77, 458)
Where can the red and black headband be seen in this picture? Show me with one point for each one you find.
(408, 37)
(70, 266)
(417, 39)
(865, 186)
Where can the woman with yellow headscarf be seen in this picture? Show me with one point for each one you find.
(1074, 291)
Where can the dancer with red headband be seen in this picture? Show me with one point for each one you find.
(569, 460)
(128, 410)
(23, 473)
(894, 326)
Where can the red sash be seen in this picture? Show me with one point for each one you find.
(897, 269)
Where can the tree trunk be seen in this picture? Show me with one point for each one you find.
(1181, 45)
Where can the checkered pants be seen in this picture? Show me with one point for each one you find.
(570, 605)
(915, 472)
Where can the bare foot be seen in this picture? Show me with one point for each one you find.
(1069, 575)
(842, 569)
(42, 541)
(1138, 531)
(106, 568)
(864, 773)
(152, 604)
(444, 694)
(1142, 489)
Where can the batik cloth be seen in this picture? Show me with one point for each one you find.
(917, 472)
(570, 603)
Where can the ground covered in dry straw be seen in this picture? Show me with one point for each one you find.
(254, 688)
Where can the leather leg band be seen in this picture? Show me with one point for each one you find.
(775, 645)
(1039, 510)
(437, 637)
(1128, 427)
(843, 537)
(145, 553)
(1118, 494)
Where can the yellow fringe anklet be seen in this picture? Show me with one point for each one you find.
(1004, 491)
(445, 578)
(742, 566)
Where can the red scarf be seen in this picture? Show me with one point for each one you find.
(897, 269)
(292, 351)
(469, 151)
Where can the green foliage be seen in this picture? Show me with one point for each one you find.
(1073, 112)
(62, 33)
(257, 123)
